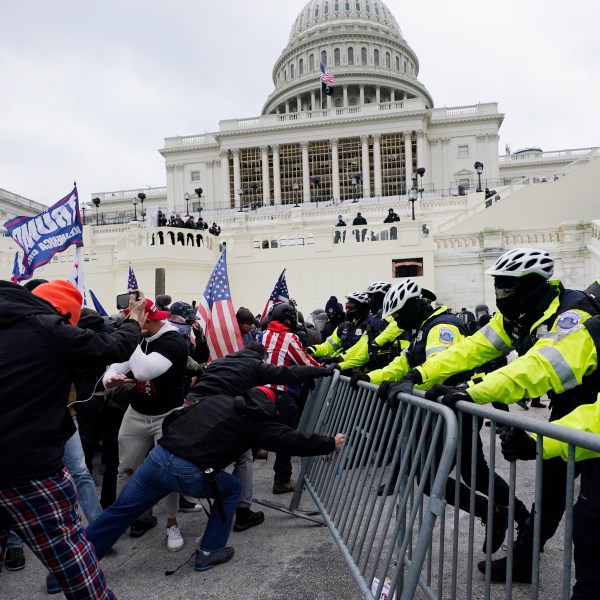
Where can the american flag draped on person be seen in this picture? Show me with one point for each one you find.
(279, 294)
(216, 314)
(327, 81)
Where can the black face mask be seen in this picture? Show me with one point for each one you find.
(412, 314)
(531, 298)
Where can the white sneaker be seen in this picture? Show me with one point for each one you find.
(174, 539)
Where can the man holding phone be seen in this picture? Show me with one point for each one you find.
(157, 368)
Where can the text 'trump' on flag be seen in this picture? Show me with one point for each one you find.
(216, 313)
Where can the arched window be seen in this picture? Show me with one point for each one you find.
(285, 75)
(336, 57)
(324, 57)
(388, 63)
(347, 6)
(301, 67)
(326, 9)
(405, 66)
(397, 63)
(338, 103)
(350, 56)
(363, 56)
(292, 71)
(376, 57)
(357, 7)
(311, 62)
(368, 8)
(316, 11)
(336, 7)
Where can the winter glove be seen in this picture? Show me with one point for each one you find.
(329, 369)
(437, 390)
(357, 376)
(406, 383)
(329, 360)
(517, 445)
(453, 396)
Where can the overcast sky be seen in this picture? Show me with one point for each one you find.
(91, 89)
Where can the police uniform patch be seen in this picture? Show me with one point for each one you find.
(446, 335)
(568, 320)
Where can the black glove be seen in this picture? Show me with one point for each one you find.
(517, 445)
(329, 369)
(329, 360)
(453, 396)
(437, 390)
(358, 375)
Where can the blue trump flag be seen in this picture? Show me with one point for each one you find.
(99, 309)
(46, 234)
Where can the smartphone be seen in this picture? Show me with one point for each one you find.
(123, 300)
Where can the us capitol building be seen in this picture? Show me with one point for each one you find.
(277, 182)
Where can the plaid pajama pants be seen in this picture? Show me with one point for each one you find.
(44, 514)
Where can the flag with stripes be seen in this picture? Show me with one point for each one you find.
(76, 273)
(17, 270)
(132, 283)
(326, 77)
(216, 314)
(279, 294)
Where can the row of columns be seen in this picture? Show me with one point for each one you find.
(335, 169)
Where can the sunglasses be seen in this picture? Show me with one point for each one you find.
(504, 292)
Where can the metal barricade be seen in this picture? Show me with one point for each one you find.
(384, 539)
(414, 543)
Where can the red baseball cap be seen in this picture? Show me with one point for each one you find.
(268, 392)
(152, 311)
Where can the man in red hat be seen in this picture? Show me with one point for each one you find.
(37, 496)
(157, 368)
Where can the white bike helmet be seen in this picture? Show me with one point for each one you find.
(358, 297)
(379, 287)
(523, 261)
(397, 296)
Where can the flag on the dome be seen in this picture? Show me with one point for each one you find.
(216, 314)
(132, 283)
(279, 294)
(327, 81)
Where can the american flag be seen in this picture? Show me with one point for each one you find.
(16, 269)
(279, 294)
(216, 314)
(132, 283)
(76, 273)
(326, 77)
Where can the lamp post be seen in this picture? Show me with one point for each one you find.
(135, 201)
(187, 204)
(356, 179)
(83, 209)
(412, 198)
(240, 192)
(199, 191)
(96, 203)
(296, 188)
(479, 169)
(316, 182)
(420, 173)
(142, 197)
(253, 187)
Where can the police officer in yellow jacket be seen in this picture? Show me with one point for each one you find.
(545, 324)
(516, 444)
(435, 331)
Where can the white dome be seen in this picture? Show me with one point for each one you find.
(319, 12)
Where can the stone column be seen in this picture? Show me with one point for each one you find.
(445, 162)
(305, 173)
(361, 88)
(298, 104)
(345, 96)
(481, 150)
(313, 101)
(366, 168)
(329, 102)
(377, 95)
(287, 107)
(264, 151)
(436, 164)
(225, 179)
(170, 189)
(179, 186)
(408, 158)
(377, 163)
(209, 186)
(421, 155)
(491, 168)
(392, 95)
(335, 169)
(276, 175)
(237, 181)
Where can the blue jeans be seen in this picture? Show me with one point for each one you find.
(74, 460)
(14, 541)
(159, 474)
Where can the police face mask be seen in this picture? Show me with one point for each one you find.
(517, 297)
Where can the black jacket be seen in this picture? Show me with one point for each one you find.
(216, 431)
(39, 350)
(240, 371)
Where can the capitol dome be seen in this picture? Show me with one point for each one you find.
(360, 43)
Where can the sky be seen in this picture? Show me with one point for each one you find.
(91, 89)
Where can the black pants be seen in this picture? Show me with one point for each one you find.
(288, 415)
(110, 445)
(586, 533)
(90, 419)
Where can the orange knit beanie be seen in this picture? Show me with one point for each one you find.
(64, 297)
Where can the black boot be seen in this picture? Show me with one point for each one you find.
(535, 403)
(246, 518)
(498, 529)
(521, 568)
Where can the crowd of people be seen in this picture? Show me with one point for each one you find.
(171, 423)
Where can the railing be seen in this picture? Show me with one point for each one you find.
(538, 156)
(411, 535)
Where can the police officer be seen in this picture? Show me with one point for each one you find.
(545, 324)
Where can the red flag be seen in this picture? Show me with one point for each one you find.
(216, 314)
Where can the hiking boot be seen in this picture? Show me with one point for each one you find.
(246, 518)
(523, 404)
(521, 570)
(535, 403)
(139, 528)
(185, 506)
(15, 559)
(284, 488)
(499, 527)
(52, 585)
(174, 539)
(204, 562)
